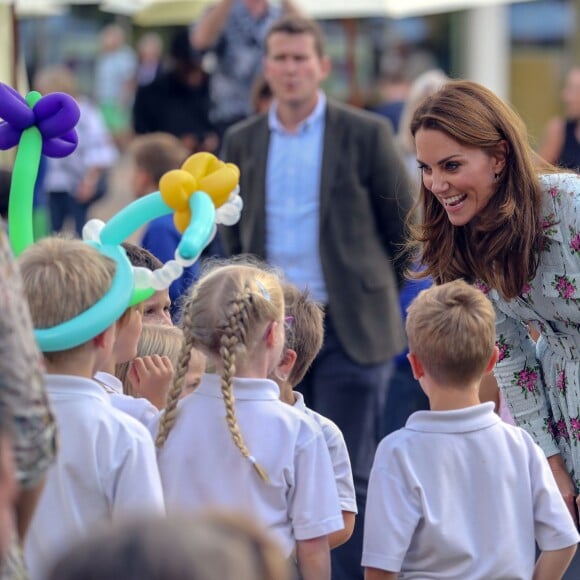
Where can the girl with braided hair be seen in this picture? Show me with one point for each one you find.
(232, 443)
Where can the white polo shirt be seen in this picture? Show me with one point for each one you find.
(462, 495)
(137, 407)
(105, 469)
(201, 467)
(338, 454)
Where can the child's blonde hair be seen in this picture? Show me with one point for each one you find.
(304, 329)
(154, 339)
(62, 278)
(224, 318)
(451, 330)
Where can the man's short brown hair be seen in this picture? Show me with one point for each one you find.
(304, 329)
(451, 330)
(294, 25)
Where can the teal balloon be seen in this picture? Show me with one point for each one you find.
(200, 230)
(126, 222)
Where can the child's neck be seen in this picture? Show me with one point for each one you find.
(108, 367)
(445, 398)
(286, 392)
(77, 368)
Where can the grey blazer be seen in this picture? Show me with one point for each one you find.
(364, 198)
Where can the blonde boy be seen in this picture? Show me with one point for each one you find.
(304, 335)
(457, 493)
(106, 465)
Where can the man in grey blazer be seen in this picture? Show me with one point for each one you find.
(325, 199)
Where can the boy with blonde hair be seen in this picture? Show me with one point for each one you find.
(304, 325)
(106, 466)
(457, 493)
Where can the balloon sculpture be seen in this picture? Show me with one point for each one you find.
(203, 193)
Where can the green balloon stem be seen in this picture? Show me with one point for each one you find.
(24, 175)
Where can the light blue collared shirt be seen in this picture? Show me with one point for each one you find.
(293, 199)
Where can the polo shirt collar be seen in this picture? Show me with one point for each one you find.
(299, 402)
(66, 385)
(317, 114)
(244, 389)
(465, 420)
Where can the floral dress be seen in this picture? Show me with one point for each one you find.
(541, 382)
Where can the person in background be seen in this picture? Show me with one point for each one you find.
(393, 90)
(153, 155)
(262, 96)
(304, 321)
(149, 58)
(177, 102)
(72, 184)
(31, 427)
(115, 82)
(157, 309)
(325, 196)
(422, 87)
(561, 142)
(235, 31)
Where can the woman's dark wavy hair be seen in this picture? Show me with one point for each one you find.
(500, 246)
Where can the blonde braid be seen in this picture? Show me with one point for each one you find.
(170, 414)
(234, 334)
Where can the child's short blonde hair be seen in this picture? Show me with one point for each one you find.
(224, 318)
(451, 330)
(157, 339)
(63, 278)
(304, 329)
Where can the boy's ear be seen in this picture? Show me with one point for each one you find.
(106, 338)
(416, 366)
(286, 363)
(492, 361)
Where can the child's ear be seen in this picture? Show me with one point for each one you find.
(492, 361)
(270, 334)
(106, 338)
(416, 366)
(286, 363)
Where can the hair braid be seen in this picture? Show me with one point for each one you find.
(234, 334)
(170, 414)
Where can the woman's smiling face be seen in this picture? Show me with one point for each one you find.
(463, 179)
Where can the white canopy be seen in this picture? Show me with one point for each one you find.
(390, 8)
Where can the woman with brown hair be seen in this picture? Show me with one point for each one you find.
(494, 214)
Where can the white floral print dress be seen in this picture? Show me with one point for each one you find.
(541, 382)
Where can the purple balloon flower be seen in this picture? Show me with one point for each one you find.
(55, 116)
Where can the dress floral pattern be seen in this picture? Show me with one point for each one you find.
(22, 391)
(541, 382)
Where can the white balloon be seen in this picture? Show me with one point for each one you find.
(92, 230)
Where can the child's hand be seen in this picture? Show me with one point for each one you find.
(151, 377)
